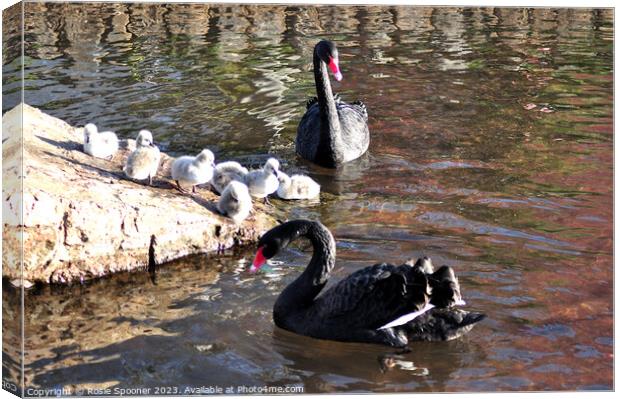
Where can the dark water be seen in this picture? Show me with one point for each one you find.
(491, 152)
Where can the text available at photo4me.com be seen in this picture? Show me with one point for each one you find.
(165, 390)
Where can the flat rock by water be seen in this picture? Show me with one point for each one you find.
(83, 219)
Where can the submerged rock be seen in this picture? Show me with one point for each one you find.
(78, 217)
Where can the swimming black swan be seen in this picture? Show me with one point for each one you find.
(331, 132)
(381, 304)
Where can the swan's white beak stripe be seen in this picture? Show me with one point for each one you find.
(259, 260)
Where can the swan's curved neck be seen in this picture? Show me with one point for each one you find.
(300, 294)
(331, 134)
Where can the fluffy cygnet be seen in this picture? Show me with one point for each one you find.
(225, 172)
(235, 201)
(99, 145)
(263, 182)
(144, 161)
(193, 170)
(297, 187)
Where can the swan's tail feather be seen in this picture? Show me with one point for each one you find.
(423, 264)
(473, 317)
(446, 289)
(442, 324)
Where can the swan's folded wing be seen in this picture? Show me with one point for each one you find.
(361, 108)
(353, 114)
(445, 287)
(374, 296)
(442, 324)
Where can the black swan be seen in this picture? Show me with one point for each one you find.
(331, 132)
(381, 304)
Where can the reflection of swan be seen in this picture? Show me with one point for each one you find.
(356, 367)
(343, 180)
(376, 304)
(331, 132)
(388, 362)
(144, 161)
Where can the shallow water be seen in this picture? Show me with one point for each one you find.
(491, 151)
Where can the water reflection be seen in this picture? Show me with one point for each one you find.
(492, 137)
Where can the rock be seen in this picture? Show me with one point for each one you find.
(83, 219)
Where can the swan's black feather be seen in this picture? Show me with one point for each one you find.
(311, 101)
(314, 100)
(355, 137)
(374, 296)
(445, 286)
(362, 108)
(442, 324)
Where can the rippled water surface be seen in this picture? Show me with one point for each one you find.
(491, 151)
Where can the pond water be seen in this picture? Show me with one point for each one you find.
(491, 151)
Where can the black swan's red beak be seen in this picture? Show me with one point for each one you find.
(259, 260)
(333, 66)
